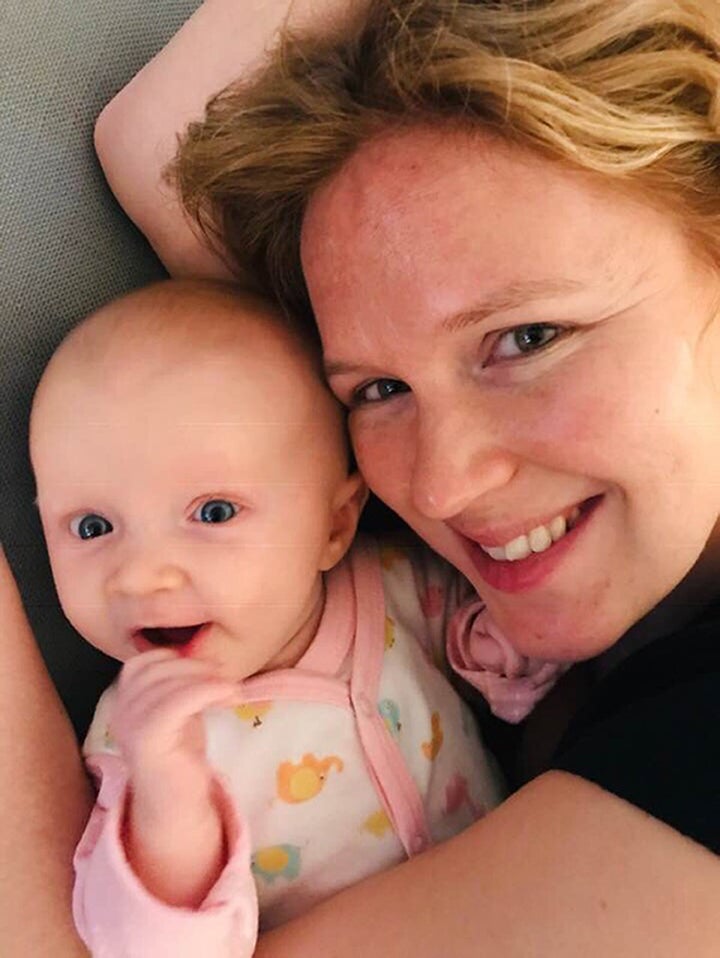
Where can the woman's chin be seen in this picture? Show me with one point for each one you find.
(562, 636)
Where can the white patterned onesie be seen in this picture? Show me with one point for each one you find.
(360, 756)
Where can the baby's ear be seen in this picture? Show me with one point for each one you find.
(348, 503)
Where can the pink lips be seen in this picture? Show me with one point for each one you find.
(524, 574)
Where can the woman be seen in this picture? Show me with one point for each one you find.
(494, 331)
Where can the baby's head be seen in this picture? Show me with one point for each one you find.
(192, 478)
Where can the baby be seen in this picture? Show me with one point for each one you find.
(282, 725)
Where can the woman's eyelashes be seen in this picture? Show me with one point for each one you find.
(522, 341)
(377, 390)
(505, 346)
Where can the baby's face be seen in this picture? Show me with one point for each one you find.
(191, 500)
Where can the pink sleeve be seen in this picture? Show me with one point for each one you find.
(511, 683)
(118, 918)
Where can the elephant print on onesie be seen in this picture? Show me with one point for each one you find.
(304, 780)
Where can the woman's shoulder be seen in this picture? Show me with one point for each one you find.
(650, 732)
(670, 665)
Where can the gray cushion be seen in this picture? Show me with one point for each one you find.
(65, 248)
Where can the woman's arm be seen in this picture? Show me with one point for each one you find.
(46, 797)
(561, 869)
(136, 133)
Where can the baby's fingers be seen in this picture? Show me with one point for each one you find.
(159, 662)
(174, 695)
(154, 721)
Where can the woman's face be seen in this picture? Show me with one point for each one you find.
(530, 362)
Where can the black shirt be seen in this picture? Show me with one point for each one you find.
(650, 732)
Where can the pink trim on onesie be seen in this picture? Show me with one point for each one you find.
(107, 888)
(387, 766)
(361, 615)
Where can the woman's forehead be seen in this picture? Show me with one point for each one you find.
(420, 185)
(446, 218)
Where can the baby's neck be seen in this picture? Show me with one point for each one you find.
(302, 639)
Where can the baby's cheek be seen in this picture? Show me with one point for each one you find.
(81, 603)
(70, 595)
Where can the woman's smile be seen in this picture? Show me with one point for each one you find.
(528, 560)
(517, 541)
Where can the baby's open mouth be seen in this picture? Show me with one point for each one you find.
(176, 635)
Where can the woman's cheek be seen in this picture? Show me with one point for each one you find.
(572, 426)
(382, 455)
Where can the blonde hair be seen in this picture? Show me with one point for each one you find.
(628, 89)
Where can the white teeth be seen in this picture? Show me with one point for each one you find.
(537, 540)
(540, 538)
(518, 549)
(558, 528)
(495, 552)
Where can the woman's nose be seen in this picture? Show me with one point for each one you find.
(146, 569)
(458, 459)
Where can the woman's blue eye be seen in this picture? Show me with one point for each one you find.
(90, 526)
(379, 390)
(524, 339)
(216, 510)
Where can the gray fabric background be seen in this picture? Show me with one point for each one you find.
(65, 248)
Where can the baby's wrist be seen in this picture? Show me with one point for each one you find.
(177, 789)
(176, 840)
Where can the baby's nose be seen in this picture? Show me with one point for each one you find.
(146, 571)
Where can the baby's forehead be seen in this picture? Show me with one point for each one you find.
(205, 379)
(190, 316)
(183, 321)
(187, 348)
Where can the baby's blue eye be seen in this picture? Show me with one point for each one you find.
(216, 510)
(90, 526)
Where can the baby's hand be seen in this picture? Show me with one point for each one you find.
(156, 718)
(173, 831)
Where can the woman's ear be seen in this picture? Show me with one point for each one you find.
(348, 503)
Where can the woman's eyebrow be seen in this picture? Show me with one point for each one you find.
(510, 297)
(521, 293)
(337, 368)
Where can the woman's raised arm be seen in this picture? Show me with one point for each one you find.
(46, 797)
(136, 133)
(561, 869)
